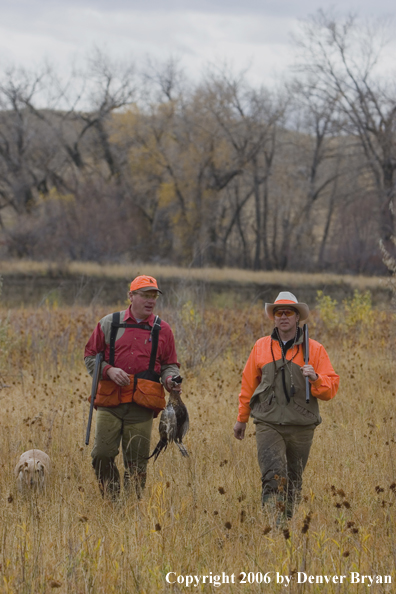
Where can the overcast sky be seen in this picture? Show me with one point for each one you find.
(254, 33)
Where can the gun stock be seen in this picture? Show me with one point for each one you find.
(94, 389)
(306, 360)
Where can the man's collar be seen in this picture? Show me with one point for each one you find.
(128, 316)
(276, 336)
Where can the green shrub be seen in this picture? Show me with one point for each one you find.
(327, 310)
(358, 309)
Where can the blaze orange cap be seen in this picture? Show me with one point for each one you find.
(145, 283)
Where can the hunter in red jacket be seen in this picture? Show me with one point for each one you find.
(139, 361)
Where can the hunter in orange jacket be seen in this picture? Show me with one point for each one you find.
(259, 382)
(273, 393)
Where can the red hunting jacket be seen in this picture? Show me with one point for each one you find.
(132, 355)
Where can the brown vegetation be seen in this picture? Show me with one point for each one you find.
(213, 275)
(123, 166)
(202, 514)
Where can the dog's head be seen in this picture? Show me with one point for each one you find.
(31, 475)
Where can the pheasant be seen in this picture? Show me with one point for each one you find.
(174, 423)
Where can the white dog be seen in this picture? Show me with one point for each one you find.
(32, 471)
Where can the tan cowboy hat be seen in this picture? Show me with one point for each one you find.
(286, 298)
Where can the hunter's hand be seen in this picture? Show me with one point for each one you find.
(239, 430)
(117, 375)
(170, 385)
(309, 371)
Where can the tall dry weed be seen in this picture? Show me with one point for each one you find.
(201, 515)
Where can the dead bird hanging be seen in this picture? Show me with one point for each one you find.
(174, 423)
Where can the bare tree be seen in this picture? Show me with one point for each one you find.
(165, 80)
(343, 54)
(27, 157)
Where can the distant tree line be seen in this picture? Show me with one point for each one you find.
(118, 164)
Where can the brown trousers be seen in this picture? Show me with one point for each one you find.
(283, 452)
(135, 441)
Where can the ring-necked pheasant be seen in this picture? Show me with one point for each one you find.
(174, 423)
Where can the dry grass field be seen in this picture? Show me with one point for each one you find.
(199, 516)
(229, 275)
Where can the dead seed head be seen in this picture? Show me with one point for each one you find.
(228, 525)
(307, 521)
(286, 533)
(221, 490)
(346, 554)
(346, 504)
(266, 530)
(158, 527)
(379, 489)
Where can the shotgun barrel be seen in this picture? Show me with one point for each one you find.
(94, 389)
(306, 359)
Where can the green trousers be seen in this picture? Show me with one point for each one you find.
(134, 437)
(283, 452)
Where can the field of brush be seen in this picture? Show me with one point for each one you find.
(199, 516)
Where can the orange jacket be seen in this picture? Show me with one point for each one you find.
(262, 394)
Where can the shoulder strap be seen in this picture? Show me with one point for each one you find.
(113, 335)
(115, 324)
(154, 338)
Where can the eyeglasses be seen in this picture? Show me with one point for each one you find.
(147, 294)
(288, 313)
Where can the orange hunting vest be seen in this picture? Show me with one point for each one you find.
(144, 388)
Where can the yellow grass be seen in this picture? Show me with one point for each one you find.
(232, 275)
(202, 514)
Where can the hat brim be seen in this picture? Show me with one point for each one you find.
(302, 309)
(149, 289)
